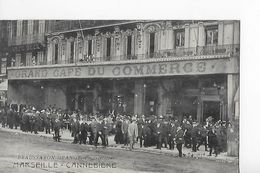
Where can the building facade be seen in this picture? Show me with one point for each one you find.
(170, 68)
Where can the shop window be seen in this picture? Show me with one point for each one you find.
(25, 27)
(179, 38)
(14, 28)
(212, 35)
(56, 49)
(108, 48)
(35, 26)
(129, 46)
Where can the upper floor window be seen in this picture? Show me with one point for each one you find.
(129, 45)
(25, 27)
(72, 52)
(152, 42)
(35, 26)
(212, 35)
(179, 38)
(89, 47)
(14, 28)
(108, 47)
(56, 49)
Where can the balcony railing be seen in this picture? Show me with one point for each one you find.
(228, 50)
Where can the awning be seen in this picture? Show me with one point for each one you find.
(3, 85)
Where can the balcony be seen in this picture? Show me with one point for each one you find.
(205, 52)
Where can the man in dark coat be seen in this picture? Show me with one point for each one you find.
(147, 134)
(202, 137)
(10, 118)
(179, 140)
(83, 132)
(158, 132)
(213, 141)
(56, 127)
(97, 130)
(124, 129)
(187, 133)
(76, 131)
(140, 125)
(194, 136)
(105, 131)
(171, 135)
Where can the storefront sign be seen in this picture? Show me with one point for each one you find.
(125, 70)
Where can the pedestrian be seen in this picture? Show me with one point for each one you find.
(124, 129)
(212, 141)
(132, 132)
(194, 136)
(147, 134)
(158, 132)
(179, 140)
(171, 135)
(105, 131)
(56, 127)
(83, 132)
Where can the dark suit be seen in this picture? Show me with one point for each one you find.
(179, 141)
(158, 134)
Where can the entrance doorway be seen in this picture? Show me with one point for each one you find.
(211, 108)
(85, 102)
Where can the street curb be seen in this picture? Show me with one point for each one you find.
(158, 152)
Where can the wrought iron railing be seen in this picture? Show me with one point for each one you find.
(229, 50)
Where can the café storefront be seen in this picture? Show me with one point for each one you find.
(200, 86)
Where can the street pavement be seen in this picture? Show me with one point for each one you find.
(19, 148)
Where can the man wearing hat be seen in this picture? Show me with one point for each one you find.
(179, 140)
(124, 129)
(194, 136)
(158, 132)
(132, 132)
(57, 125)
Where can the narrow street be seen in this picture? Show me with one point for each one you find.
(30, 154)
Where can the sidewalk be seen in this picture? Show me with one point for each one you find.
(201, 154)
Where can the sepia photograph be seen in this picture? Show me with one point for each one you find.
(119, 96)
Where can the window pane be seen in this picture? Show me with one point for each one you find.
(179, 38)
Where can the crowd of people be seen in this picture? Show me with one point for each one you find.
(159, 131)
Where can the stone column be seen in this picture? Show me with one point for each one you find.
(220, 33)
(187, 36)
(49, 52)
(202, 36)
(169, 38)
(232, 85)
(139, 97)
